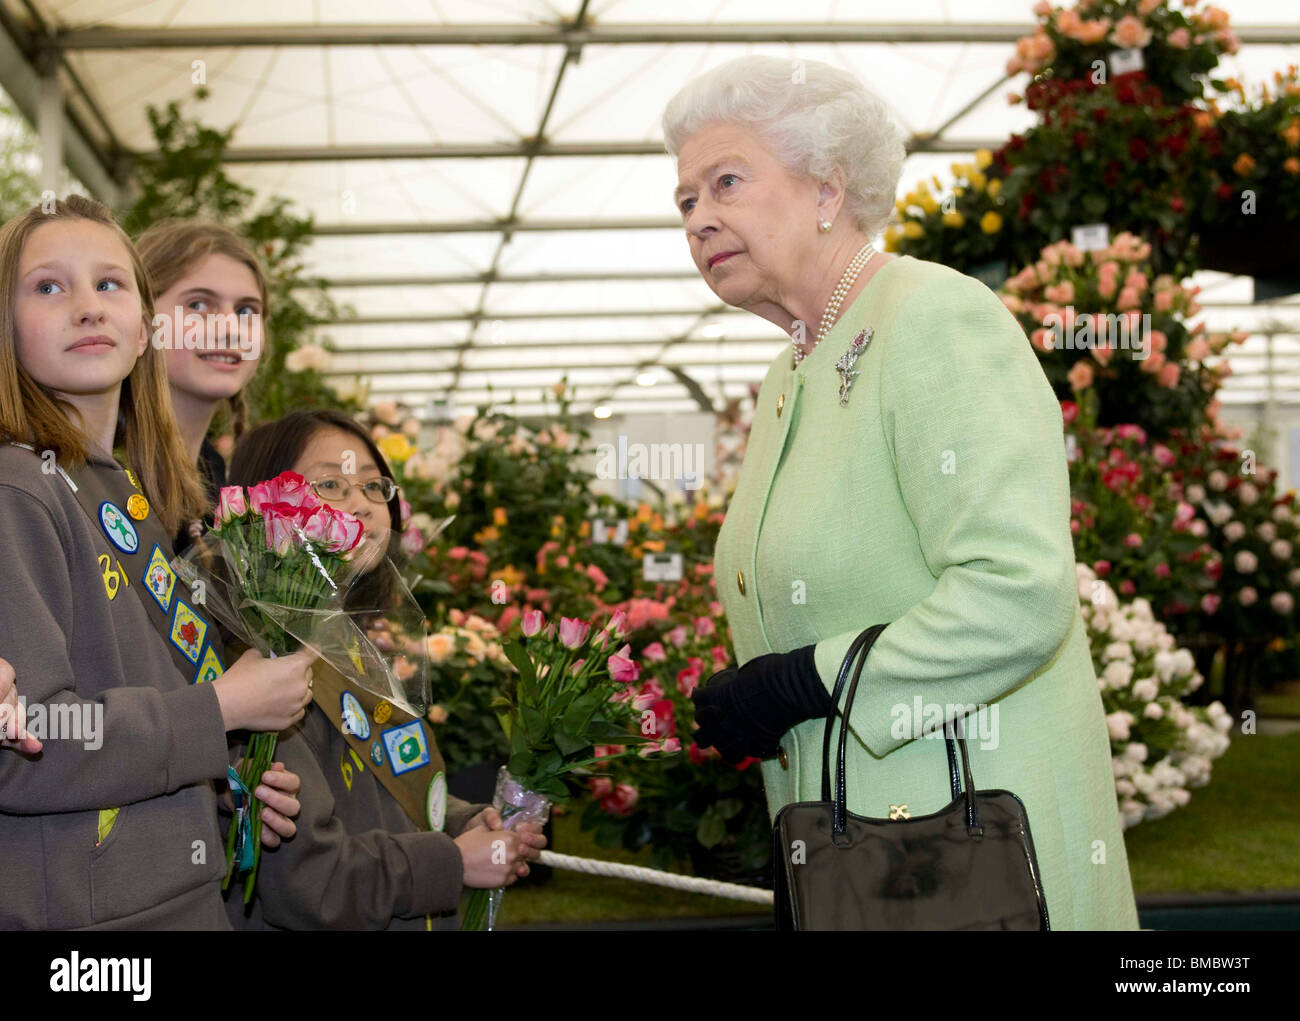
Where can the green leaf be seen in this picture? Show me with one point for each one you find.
(711, 828)
(516, 654)
(567, 743)
(729, 808)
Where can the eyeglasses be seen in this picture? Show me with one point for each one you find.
(334, 489)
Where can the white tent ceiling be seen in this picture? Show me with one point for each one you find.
(488, 178)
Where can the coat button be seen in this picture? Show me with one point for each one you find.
(740, 581)
(780, 404)
(785, 761)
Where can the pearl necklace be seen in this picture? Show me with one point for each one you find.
(832, 311)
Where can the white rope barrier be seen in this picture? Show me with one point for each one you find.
(639, 874)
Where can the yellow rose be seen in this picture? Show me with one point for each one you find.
(990, 222)
(900, 205)
(978, 181)
(983, 158)
(892, 236)
(489, 534)
(953, 219)
(912, 229)
(995, 187)
(396, 447)
(929, 204)
(499, 516)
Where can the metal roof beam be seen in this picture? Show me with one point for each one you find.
(198, 37)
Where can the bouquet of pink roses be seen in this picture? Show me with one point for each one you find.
(571, 699)
(274, 570)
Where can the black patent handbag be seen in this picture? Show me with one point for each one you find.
(970, 865)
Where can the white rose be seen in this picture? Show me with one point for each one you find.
(1145, 782)
(1245, 561)
(1133, 813)
(1217, 481)
(1153, 711)
(1233, 531)
(1281, 512)
(1117, 651)
(1142, 609)
(1281, 549)
(1219, 513)
(1146, 689)
(1195, 493)
(1136, 751)
(1247, 493)
(1180, 796)
(1166, 663)
(1118, 674)
(1117, 724)
(1282, 602)
(1293, 577)
(1248, 596)
(1199, 528)
(1267, 531)
(1125, 788)
(1184, 661)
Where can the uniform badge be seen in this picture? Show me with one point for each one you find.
(130, 477)
(354, 717)
(377, 753)
(117, 526)
(407, 748)
(187, 632)
(160, 579)
(210, 667)
(382, 711)
(138, 507)
(436, 802)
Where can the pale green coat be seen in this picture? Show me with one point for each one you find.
(936, 500)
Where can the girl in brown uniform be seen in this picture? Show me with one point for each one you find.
(359, 860)
(113, 825)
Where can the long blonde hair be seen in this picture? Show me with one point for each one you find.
(146, 426)
(171, 248)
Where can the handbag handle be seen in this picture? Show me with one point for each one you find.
(839, 816)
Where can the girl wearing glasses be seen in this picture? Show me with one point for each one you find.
(358, 860)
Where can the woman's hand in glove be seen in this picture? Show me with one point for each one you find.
(746, 711)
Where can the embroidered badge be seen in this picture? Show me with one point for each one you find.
(377, 753)
(406, 747)
(210, 667)
(436, 802)
(382, 711)
(187, 632)
(160, 579)
(354, 717)
(117, 526)
(130, 477)
(845, 365)
(138, 507)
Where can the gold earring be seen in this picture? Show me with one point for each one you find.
(823, 225)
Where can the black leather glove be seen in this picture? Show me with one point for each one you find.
(746, 711)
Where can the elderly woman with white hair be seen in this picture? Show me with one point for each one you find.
(906, 465)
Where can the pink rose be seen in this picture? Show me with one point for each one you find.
(720, 657)
(1080, 376)
(597, 576)
(703, 627)
(688, 678)
(573, 632)
(533, 623)
(654, 653)
(412, 541)
(260, 496)
(601, 787)
(405, 509)
(1210, 602)
(508, 616)
(1133, 540)
(621, 667)
(344, 531)
(622, 801)
(231, 504)
(1179, 38)
(281, 529)
(292, 488)
(678, 636)
(617, 624)
(1168, 375)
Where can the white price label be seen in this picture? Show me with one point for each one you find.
(1124, 61)
(1088, 237)
(604, 532)
(661, 567)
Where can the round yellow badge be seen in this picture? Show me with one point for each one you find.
(383, 710)
(138, 507)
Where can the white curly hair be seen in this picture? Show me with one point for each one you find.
(814, 117)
